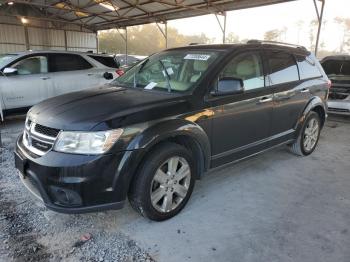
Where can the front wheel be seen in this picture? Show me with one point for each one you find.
(309, 135)
(164, 182)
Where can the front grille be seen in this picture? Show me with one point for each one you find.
(338, 96)
(341, 110)
(47, 131)
(41, 145)
(39, 139)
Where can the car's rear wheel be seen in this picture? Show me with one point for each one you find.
(164, 182)
(309, 135)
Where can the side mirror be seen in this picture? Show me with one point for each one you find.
(228, 86)
(10, 71)
(108, 76)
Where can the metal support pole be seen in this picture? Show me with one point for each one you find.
(65, 40)
(26, 37)
(164, 32)
(319, 26)
(125, 38)
(126, 45)
(222, 26)
(97, 42)
(166, 35)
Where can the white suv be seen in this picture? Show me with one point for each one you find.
(27, 78)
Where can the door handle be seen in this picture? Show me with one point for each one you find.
(305, 90)
(44, 77)
(90, 74)
(265, 99)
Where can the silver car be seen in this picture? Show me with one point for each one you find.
(27, 78)
(338, 70)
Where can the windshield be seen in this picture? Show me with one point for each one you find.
(168, 71)
(4, 59)
(336, 67)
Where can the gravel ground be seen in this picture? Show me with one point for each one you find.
(30, 232)
(272, 207)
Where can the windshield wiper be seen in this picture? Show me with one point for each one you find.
(167, 76)
(138, 71)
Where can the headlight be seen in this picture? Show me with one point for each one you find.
(87, 142)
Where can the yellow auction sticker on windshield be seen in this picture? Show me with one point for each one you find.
(201, 57)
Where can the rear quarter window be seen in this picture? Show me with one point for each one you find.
(283, 68)
(105, 60)
(307, 68)
(67, 62)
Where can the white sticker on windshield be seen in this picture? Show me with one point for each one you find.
(197, 57)
(150, 85)
(170, 71)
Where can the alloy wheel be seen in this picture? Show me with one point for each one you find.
(311, 134)
(170, 184)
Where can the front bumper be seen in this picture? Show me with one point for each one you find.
(340, 107)
(71, 183)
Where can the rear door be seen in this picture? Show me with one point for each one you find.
(290, 95)
(241, 122)
(29, 86)
(71, 72)
(104, 64)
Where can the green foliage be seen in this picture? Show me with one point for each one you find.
(272, 35)
(145, 40)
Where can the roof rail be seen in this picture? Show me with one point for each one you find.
(254, 41)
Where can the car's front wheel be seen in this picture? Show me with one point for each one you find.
(309, 135)
(164, 182)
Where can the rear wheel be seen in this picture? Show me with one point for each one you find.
(309, 135)
(164, 183)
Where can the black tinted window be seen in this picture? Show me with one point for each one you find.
(67, 62)
(105, 60)
(307, 68)
(283, 68)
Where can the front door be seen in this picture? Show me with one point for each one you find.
(241, 124)
(29, 85)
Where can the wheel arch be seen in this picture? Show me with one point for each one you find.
(185, 133)
(317, 105)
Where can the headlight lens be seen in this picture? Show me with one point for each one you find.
(87, 142)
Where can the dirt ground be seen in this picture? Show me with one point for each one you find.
(272, 207)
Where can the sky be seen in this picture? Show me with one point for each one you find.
(252, 23)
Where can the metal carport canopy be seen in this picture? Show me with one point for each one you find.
(106, 14)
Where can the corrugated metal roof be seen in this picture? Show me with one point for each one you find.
(106, 14)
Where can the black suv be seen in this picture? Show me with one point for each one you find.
(153, 131)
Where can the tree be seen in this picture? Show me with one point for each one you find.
(272, 35)
(345, 42)
(145, 40)
(232, 38)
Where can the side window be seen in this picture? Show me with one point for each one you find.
(68, 62)
(105, 60)
(307, 68)
(31, 65)
(283, 68)
(248, 67)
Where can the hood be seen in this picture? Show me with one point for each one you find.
(106, 107)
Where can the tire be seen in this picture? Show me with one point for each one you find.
(172, 190)
(300, 146)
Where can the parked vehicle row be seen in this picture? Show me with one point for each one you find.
(26, 78)
(152, 132)
(338, 70)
